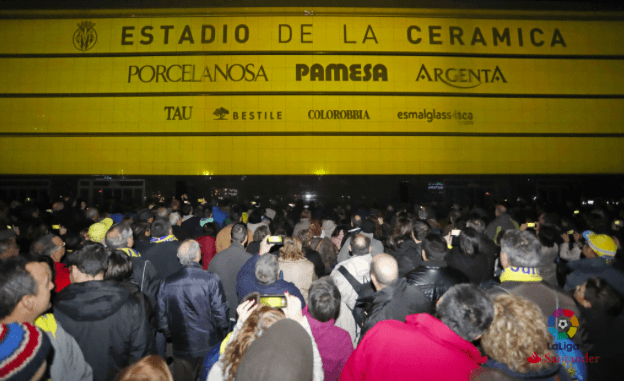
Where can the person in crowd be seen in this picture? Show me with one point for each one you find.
(468, 259)
(149, 368)
(599, 251)
(260, 327)
(255, 220)
(327, 251)
(311, 254)
(192, 310)
(434, 277)
(97, 231)
(518, 333)
(304, 222)
(227, 263)
(402, 245)
(453, 216)
(358, 266)
(500, 224)
(476, 223)
(8, 244)
(548, 235)
(394, 298)
(110, 326)
(163, 248)
(176, 227)
(25, 351)
(367, 229)
(426, 347)
(571, 250)
(142, 235)
(520, 254)
(24, 298)
(225, 235)
(146, 216)
(601, 308)
(334, 343)
(190, 222)
(52, 246)
(260, 232)
(294, 265)
(207, 242)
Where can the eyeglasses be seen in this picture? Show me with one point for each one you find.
(59, 247)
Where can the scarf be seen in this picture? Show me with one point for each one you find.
(130, 252)
(520, 274)
(168, 238)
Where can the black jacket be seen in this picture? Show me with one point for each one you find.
(164, 257)
(109, 324)
(408, 255)
(478, 267)
(434, 278)
(192, 310)
(145, 276)
(192, 227)
(394, 303)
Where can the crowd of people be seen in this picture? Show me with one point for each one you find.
(177, 290)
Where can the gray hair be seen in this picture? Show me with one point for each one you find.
(163, 213)
(117, 236)
(44, 246)
(91, 213)
(267, 269)
(174, 218)
(522, 248)
(188, 251)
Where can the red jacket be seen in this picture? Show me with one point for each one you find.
(208, 250)
(61, 280)
(423, 348)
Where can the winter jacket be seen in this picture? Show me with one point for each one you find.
(208, 249)
(359, 267)
(478, 267)
(423, 348)
(164, 257)
(495, 371)
(192, 310)
(434, 278)
(68, 363)
(226, 265)
(145, 276)
(586, 268)
(496, 228)
(219, 216)
(224, 238)
(548, 267)
(408, 255)
(606, 333)
(376, 247)
(300, 273)
(108, 323)
(394, 303)
(246, 283)
(334, 345)
(61, 277)
(190, 224)
(316, 259)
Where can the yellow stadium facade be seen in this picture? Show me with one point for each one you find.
(328, 91)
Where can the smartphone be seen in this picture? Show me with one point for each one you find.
(618, 223)
(276, 239)
(455, 232)
(577, 211)
(570, 231)
(530, 224)
(253, 203)
(200, 200)
(49, 210)
(275, 301)
(9, 227)
(56, 227)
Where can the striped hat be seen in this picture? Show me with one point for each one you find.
(23, 348)
(601, 244)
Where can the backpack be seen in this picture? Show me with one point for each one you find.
(364, 290)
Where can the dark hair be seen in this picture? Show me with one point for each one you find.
(160, 227)
(261, 232)
(119, 267)
(435, 247)
(92, 259)
(254, 217)
(454, 215)
(403, 230)
(469, 240)
(15, 283)
(360, 245)
(210, 229)
(73, 242)
(236, 213)
(369, 226)
(356, 220)
(239, 232)
(548, 235)
(186, 209)
(139, 229)
(467, 310)
(476, 223)
(421, 229)
(324, 299)
(43, 246)
(602, 296)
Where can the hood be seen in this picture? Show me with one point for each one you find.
(94, 300)
(328, 228)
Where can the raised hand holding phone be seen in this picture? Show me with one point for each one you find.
(293, 310)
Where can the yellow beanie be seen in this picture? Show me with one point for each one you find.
(97, 231)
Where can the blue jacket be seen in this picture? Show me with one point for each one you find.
(246, 283)
(586, 268)
(218, 216)
(192, 310)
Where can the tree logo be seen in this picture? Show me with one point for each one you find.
(220, 113)
(85, 36)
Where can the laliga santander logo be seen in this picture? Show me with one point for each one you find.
(534, 359)
(559, 325)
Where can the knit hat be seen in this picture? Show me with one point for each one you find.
(328, 227)
(23, 348)
(98, 230)
(601, 244)
(282, 352)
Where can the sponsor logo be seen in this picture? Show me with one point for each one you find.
(338, 114)
(221, 113)
(460, 78)
(562, 324)
(340, 72)
(193, 73)
(85, 36)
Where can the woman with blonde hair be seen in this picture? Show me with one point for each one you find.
(517, 344)
(149, 368)
(294, 265)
